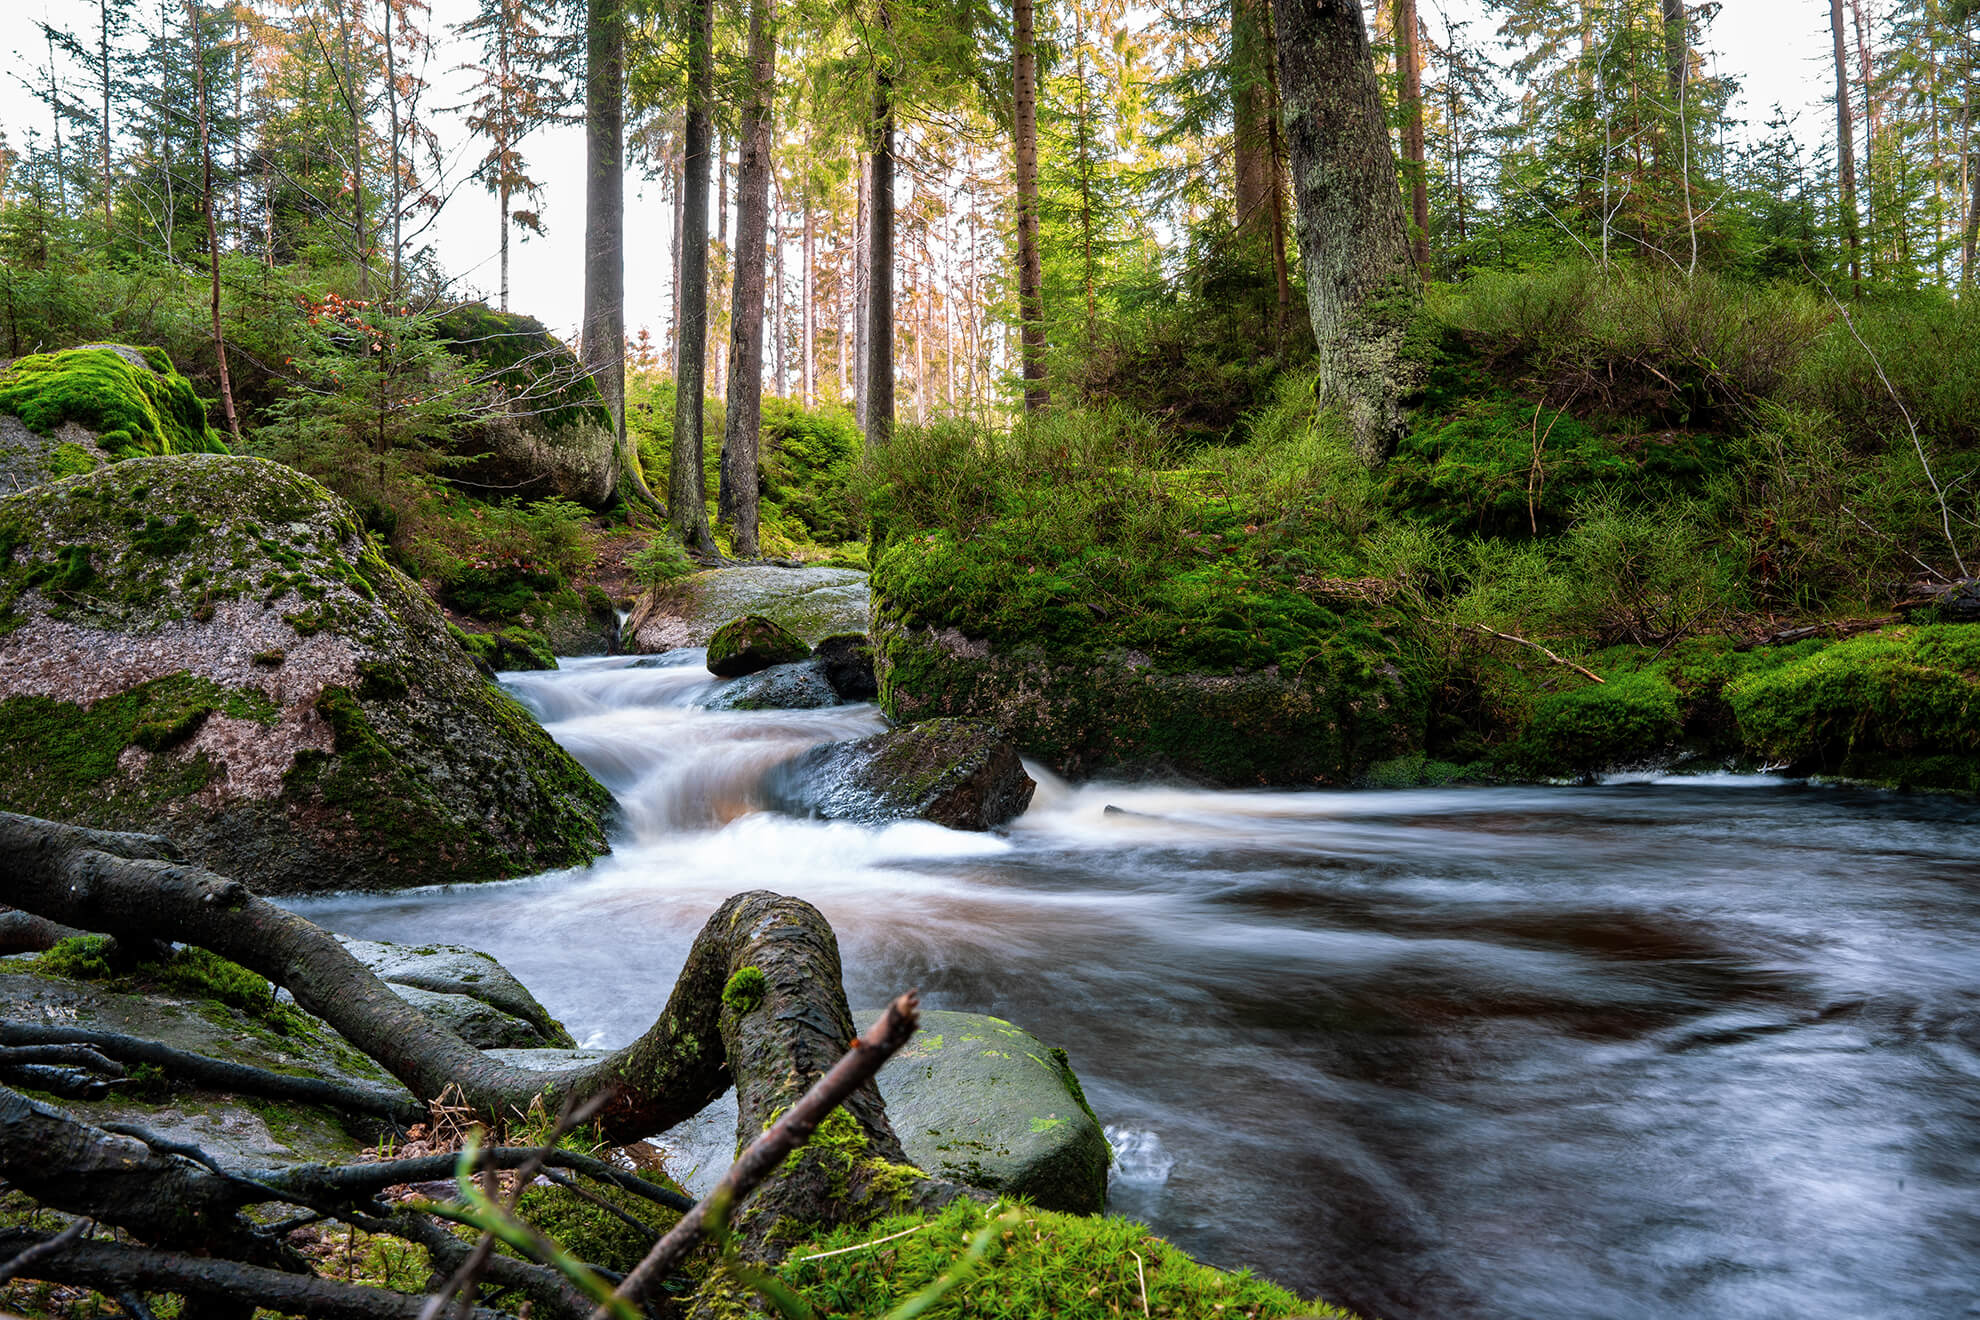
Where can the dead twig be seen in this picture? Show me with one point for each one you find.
(1508, 637)
(54, 1246)
(853, 1070)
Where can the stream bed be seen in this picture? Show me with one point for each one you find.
(1657, 1048)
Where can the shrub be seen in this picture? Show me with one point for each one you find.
(662, 563)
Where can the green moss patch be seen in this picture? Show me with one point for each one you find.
(132, 410)
(1628, 717)
(1045, 1264)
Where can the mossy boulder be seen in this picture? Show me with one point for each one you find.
(554, 436)
(505, 649)
(960, 773)
(751, 643)
(811, 603)
(69, 412)
(1899, 707)
(977, 1100)
(1355, 702)
(211, 647)
(1628, 718)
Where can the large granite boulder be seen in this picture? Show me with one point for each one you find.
(211, 648)
(812, 603)
(960, 773)
(464, 990)
(745, 645)
(977, 1100)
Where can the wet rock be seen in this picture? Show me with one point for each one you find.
(810, 602)
(960, 773)
(848, 662)
(746, 645)
(226, 658)
(434, 972)
(979, 1101)
(802, 686)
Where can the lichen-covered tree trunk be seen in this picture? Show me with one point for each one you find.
(743, 419)
(685, 489)
(1362, 288)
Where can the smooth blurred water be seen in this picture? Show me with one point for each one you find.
(1664, 1048)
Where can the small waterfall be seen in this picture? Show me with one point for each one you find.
(636, 723)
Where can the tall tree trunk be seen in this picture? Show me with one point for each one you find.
(1846, 151)
(502, 194)
(1970, 244)
(1677, 47)
(604, 332)
(880, 260)
(103, 72)
(1251, 120)
(392, 155)
(1281, 275)
(360, 240)
(1409, 58)
(686, 489)
(212, 237)
(1871, 148)
(743, 420)
(862, 291)
(674, 306)
(778, 339)
(1362, 289)
(1031, 277)
(807, 357)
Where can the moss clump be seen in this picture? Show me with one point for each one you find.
(80, 958)
(507, 648)
(590, 1232)
(132, 410)
(1048, 1264)
(1591, 728)
(1900, 707)
(744, 990)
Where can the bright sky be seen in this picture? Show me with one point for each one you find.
(1777, 48)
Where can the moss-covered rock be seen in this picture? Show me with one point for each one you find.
(1353, 703)
(211, 647)
(751, 643)
(1628, 717)
(800, 686)
(1899, 707)
(69, 412)
(506, 649)
(554, 437)
(977, 1100)
(960, 773)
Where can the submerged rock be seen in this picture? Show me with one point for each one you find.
(801, 686)
(848, 662)
(960, 773)
(811, 602)
(210, 647)
(465, 990)
(746, 645)
(979, 1101)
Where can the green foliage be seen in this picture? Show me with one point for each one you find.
(133, 410)
(80, 958)
(807, 461)
(1045, 1263)
(663, 562)
(1627, 718)
(497, 561)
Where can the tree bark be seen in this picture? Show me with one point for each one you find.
(1031, 275)
(880, 260)
(1677, 48)
(807, 357)
(604, 327)
(686, 485)
(1362, 290)
(1252, 112)
(212, 234)
(1846, 151)
(1409, 57)
(743, 419)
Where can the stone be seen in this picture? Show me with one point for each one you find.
(960, 773)
(746, 645)
(211, 648)
(811, 602)
(451, 971)
(977, 1100)
(848, 662)
(801, 686)
(74, 410)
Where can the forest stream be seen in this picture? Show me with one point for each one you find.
(1698, 1047)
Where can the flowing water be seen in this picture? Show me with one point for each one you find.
(1652, 1049)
